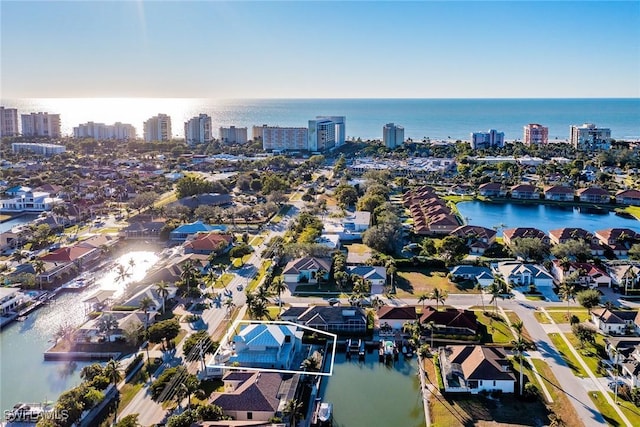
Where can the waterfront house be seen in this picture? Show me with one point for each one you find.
(475, 368)
(523, 232)
(270, 346)
(588, 274)
(482, 275)
(338, 320)
(559, 193)
(185, 231)
(430, 214)
(628, 197)
(29, 201)
(153, 295)
(10, 298)
(376, 275)
(254, 397)
(563, 235)
(127, 322)
(619, 240)
(614, 322)
(450, 321)
(391, 319)
(524, 192)
(80, 256)
(142, 230)
(207, 243)
(593, 195)
(520, 274)
(304, 270)
(477, 238)
(492, 189)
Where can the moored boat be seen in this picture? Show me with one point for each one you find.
(324, 412)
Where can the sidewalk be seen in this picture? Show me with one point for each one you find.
(595, 382)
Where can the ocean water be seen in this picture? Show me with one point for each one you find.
(437, 119)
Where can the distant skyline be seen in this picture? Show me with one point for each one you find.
(357, 49)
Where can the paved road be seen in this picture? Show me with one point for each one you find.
(150, 412)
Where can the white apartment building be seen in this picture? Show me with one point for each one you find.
(588, 137)
(158, 128)
(535, 134)
(198, 130)
(41, 124)
(392, 135)
(340, 129)
(322, 135)
(233, 135)
(8, 121)
(100, 131)
(38, 148)
(492, 138)
(282, 138)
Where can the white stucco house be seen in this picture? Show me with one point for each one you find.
(615, 322)
(476, 368)
(305, 269)
(519, 274)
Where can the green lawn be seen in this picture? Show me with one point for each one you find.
(590, 354)
(281, 213)
(412, 284)
(541, 317)
(560, 316)
(609, 414)
(567, 355)
(633, 210)
(257, 241)
(263, 268)
(561, 405)
(494, 330)
(631, 411)
(223, 280)
(513, 317)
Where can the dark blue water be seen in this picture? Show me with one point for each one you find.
(543, 217)
(434, 118)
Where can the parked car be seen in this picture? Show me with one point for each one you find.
(333, 301)
(612, 384)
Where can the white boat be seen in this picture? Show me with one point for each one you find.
(324, 413)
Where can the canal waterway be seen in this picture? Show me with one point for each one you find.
(542, 217)
(24, 375)
(19, 220)
(369, 393)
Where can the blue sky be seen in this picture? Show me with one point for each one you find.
(326, 49)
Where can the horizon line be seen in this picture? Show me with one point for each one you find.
(322, 98)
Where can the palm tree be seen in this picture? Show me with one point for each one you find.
(188, 274)
(258, 308)
(122, 273)
(422, 298)
(431, 325)
(279, 286)
(567, 292)
(163, 291)
(145, 304)
(38, 268)
(211, 277)
(229, 305)
(320, 275)
(293, 409)
(439, 297)
(112, 371)
(391, 271)
(414, 330)
(495, 289)
(518, 325)
(107, 323)
(479, 287)
(519, 346)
